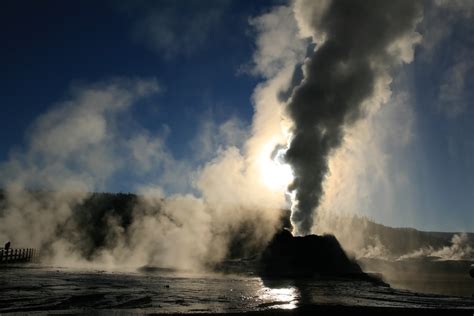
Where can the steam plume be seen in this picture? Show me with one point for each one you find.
(360, 43)
(85, 144)
(72, 146)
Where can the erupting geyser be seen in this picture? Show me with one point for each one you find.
(358, 45)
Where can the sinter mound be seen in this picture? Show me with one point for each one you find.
(308, 256)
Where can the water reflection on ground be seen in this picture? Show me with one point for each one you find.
(284, 298)
(41, 288)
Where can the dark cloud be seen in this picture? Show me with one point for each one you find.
(338, 78)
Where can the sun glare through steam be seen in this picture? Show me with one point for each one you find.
(276, 174)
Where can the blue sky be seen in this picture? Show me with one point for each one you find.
(54, 44)
(199, 51)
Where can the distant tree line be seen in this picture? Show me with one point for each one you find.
(93, 221)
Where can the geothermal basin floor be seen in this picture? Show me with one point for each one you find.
(34, 288)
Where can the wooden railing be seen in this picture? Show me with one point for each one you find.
(18, 255)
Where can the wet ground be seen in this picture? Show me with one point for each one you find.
(31, 288)
(426, 275)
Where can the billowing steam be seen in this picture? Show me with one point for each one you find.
(358, 45)
(365, 239)
(460, 249)
(82, 144)
(188, 212)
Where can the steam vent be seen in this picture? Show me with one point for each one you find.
(308, 256)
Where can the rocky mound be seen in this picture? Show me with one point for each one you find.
(308, 256)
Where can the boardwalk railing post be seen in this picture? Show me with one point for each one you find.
(18, 255)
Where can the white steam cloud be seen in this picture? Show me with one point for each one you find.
(81, 144)
(460, 249)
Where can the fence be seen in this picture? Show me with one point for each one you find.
(18, 255)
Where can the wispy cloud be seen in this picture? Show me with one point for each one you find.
(447, 45)
(452, 96)
(175, 29)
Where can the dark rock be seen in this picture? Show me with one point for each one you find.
(308, 256)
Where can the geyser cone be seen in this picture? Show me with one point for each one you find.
(308, 256)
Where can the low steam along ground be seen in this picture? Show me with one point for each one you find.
(402, 256)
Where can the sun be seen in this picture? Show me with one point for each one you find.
(275, 174)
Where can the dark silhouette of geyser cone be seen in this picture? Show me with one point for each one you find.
(308, 256)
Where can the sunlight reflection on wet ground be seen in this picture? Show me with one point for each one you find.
(284, 298)
(46, 289)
